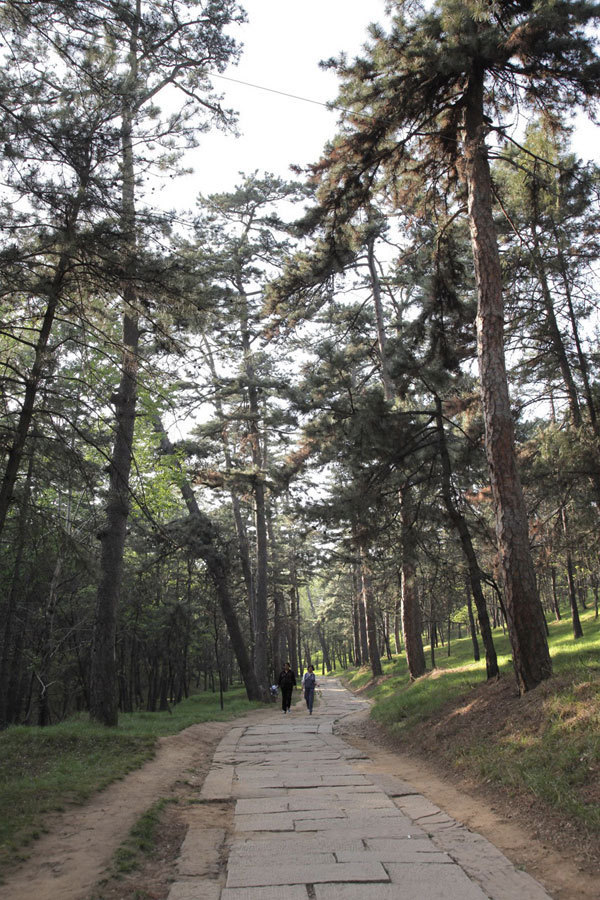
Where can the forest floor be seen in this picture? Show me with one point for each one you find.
(75, 859)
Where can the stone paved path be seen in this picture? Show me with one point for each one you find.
(314, 821)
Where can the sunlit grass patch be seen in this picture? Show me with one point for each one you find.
(546, 743)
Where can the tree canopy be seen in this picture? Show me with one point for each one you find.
(327, 419)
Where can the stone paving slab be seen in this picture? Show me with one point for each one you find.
(262, 805)
(292, 846)
(292, 892)
(360, 892)
(393, 787)
(272, 822)
(402, 852)
(366, 828)
(407, 891)
(311, 872)
(483, 862)
(200, 851)
(314, 821)
(195, 890)
(350, 802)
(420, 808)
(263, 858)
(218, 783)
(434, 881)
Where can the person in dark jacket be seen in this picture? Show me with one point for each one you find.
(287, 683)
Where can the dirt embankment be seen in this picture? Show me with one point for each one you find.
(548, 845)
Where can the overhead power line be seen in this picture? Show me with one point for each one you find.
(261, 87)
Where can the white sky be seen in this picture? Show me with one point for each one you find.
(284, 41)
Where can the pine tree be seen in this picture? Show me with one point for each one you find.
(155, 49)
(422, 103)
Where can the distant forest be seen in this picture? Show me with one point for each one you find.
(332, 418)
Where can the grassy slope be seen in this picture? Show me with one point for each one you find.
(546, 744)
(44, 769)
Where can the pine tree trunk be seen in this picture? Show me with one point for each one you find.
(10, 609)
(472, 629)
(411, 614)
(386, 634)
(356, 601)
(460, 523)
(556, 339)
(240, 527)
(577, 629)
(388, 386)
(398, 617)
(525, 619)
(581, 357)
(320, 634)
(261, 612)
(293, 632)
(32, 383)
(369, 607)
(103, 677)
(555, 600)
(218, 573)
(295, 623)
(279, 612)
(362, 619)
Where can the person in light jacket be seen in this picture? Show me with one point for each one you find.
(308, 685)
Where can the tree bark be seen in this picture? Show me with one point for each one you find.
(398, 617)
(240, 526)
(388, 386)
(358, 661)
(583, 362)
(369, 607)
(217, 571)
(320, 634)
(472, 629)
(411, 615)
(279, 611)
(103, 677)
(462, 529)
(36, 374)
(10, 609)
(525, 619)
(261, 613)
(293, 632)
(577, 629)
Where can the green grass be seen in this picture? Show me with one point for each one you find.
(548, 745)
(44, 770)
(141, 840)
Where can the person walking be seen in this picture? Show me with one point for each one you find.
(287, 683)
(309, 682)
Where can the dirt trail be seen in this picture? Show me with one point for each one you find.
(68, 863)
